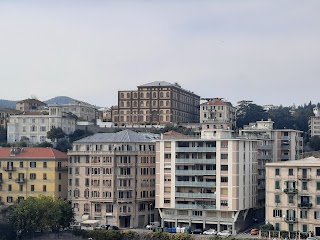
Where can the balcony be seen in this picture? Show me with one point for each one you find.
(195, 149)
(124, 199)
(124, 164)
(285, 138)
(290, 220)
(124, 176)
(195, 195)
(195, 184)
(304, 177)
(9, 169)
(290, 190)
(196, 172)
(265, 147)
(195, 161)
(265, 156)
(285, 157)
(64, 168)
(305, 205)
(123, 188)
(285, 147)
(195, 206)
(21, 180)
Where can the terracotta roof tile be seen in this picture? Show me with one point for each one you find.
(33, 152)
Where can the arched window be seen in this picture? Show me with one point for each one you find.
(76, 193)
(154, 95)
(86, 193)
(141, 103)
(167, 103)
(141, 95)
(128, 103)
(167, 118)
(161, 94)
(168, 112)
(147, 95)
(135, 104)
(121, 95)
(161, 118)
(121, 104)
(154, 103)
(128, 95)
(168, 94)
(161, 111)
(147, 103)
(161, 103)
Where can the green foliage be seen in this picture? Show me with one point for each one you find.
(315, 143)
(7, 231)
(249, 112)
(267, 227)
(40, 214)
(63, 145)
(179, 129)
(78, 134)
(55, 134)
(3, 134)
(44, 145)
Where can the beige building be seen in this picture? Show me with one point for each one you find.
(29, 172)
(112, 178)
(275, 145)
(210, 182)
(30, 104)
(221, 113)
(34, 125)
(314, 123)
(293, 190)
(157, 103)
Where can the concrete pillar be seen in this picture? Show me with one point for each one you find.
(162, 222)
(176, 223)
(218, 226)
(234, 228)
(204, 224)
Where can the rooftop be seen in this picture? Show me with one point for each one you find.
(32, 100)
(310, 161)
(216, 101)
(122, 136)
(31, 152)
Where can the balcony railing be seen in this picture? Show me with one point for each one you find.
(195, 195)
(285, 157)
(122, 188)
(195, 149)
(196, 172)
(305, 205)
(9, 168)
(124, 176)
(65, 168)
(20, 180)
(291, 190)
(195, 184)
(265, 156)
(195, 161)
(124, 199)
(304, 177)
(290, 220)
(265, 147)
(195, 206)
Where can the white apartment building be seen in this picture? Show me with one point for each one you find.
(293, 190)
(314, 123)
(275, 145)
(208, 182)
(33, 126)
(219, 112)
(84, 111)
(112, 178)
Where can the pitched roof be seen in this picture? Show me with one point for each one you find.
(174, 135)
(122, 136)
(157, 83)
(216, 101)
(32, 152)
(32, 100)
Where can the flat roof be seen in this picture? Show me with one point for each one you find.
(310, 161)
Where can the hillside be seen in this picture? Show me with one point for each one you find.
(57, 100)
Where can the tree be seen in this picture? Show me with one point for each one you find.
(315, 143)
(40, 213)
(63, 145)
(248, 112)
(78, 134)
(55, 134)
(45, 145)
(3, 134)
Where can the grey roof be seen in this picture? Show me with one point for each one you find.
(122, 136)
(157, 83)
(301, 162)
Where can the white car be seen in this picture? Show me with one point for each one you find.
(210, 232)
(225, 233)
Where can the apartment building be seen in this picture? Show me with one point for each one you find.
(84, 111)
(219, 112)
(314, 123)
(293, 190)
(275, 145)
(157, 102)
(30, 104)
(34, 125)
(112, 178)
(5, 114)
(207, 182)
(28, 172)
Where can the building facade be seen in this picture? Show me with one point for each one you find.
(5, 114)
(30, 104)
(207, 183)
(314, 123)
(112, 178)
(293, 190)
(219, 112)
(28, 172)
(157, 103)
(34, 125)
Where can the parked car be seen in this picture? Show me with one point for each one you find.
(113, 228)
(225, 233)
(254, 231)
(153, 225)
(101, 227)
(197, 231)
(210, 232)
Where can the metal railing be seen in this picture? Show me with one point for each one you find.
(195, 195)
(195, 172)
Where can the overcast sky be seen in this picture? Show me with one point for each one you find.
(265, 51)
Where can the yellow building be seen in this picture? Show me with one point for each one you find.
(31, 171)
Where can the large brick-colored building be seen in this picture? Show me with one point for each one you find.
(157, 103)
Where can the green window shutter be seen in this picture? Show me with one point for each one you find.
(318, 185)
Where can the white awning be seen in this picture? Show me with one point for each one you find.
(85, 217)
(90, 222)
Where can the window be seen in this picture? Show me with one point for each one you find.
(21, 164)
(44, 164)
(44, 188)
(318, 200)
(167, 201)
(9, 187)
(277, 213)
(33, 176)
(277, 198)
(304, 228)
(318, 185)
(59, 188)
(316, 214)
(33, 164)
(277, 227)
(277, 172)
(196, 213)
(304, 214)
(277, 184)
(9, 199)
(304, 185)
(60, 176)
(32, 188)
(290, 172)
(318, 172)
(20, 187)
(44, 176)
(290, 198)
